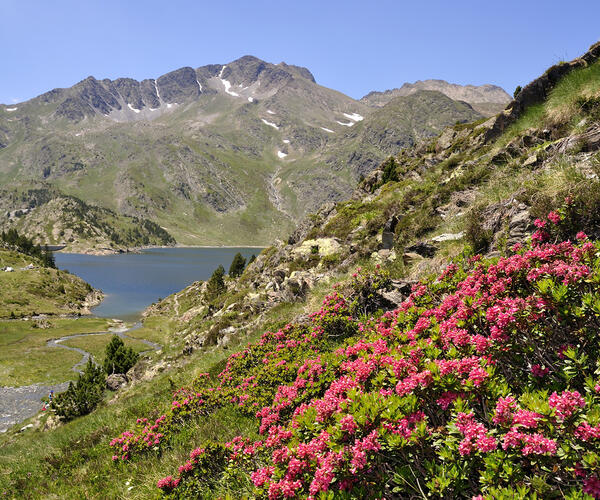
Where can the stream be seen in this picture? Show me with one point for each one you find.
(20, 403)
(86, 355)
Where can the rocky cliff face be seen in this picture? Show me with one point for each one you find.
(125, 99)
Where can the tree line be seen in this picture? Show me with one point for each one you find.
(21, 243)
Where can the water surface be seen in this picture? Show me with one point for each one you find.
(133, 281)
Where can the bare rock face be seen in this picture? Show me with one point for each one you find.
(115, 381)
(509, 221)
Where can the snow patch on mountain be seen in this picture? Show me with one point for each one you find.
(349, 124)
(327, 130)
(270, 124)
(132, 108)
(281, 154)
(227, 84)
(355, 117)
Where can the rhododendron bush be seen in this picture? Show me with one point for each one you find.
(484, 383)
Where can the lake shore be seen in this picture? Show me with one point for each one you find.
(112, 251)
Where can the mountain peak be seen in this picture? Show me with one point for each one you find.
(487, 99)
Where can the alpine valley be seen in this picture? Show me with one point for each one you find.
(222, 154)
(431, 332)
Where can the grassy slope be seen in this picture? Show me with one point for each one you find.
(71, 461)
(96, 344)
(39, 290)
(26, 359)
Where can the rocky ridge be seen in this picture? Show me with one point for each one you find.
(486, 99)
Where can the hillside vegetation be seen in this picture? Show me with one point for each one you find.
(32, 285)
(459, 361)
(50, 218)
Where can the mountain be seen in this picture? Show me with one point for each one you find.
(225, 153)
(486, 99)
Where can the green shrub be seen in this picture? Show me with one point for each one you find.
(118, 358)
(478, 238)
(83, 396)
(517, 91)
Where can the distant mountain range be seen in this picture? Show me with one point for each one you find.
(225, 153)
(486, 99)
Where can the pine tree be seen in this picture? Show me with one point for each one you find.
(83, 396)
(118, 358)
(251, 259)
(216, 283)
(389, 170)
(237, 265)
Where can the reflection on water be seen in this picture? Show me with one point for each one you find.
(133, 281)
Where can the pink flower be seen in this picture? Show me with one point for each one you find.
(477, 375)
(504, 409)
(527, 418)
(486, 444)
(348, 424)
(539, 372)
(554, 217)
(581, 236)
(167, 483)
(566, 403)
(591, 486)
(261, 476)
(539, 223)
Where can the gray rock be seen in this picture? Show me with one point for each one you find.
(423, 249)
(388, 236)
(448, 237)
(115, 381)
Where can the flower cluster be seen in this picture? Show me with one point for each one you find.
(482, 367)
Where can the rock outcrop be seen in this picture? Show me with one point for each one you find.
(537, 91)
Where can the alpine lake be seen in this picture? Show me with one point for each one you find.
(133, 281)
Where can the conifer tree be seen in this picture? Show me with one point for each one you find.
(237, 265)
(216, 283)
(118, 358)
(84, 395)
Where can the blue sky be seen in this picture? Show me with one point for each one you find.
(352, 46)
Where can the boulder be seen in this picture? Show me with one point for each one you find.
(388, 236)
(448, 237)
(423, 249)
(279, 275)
(322, 246)
(115, 381)
(588, 141)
